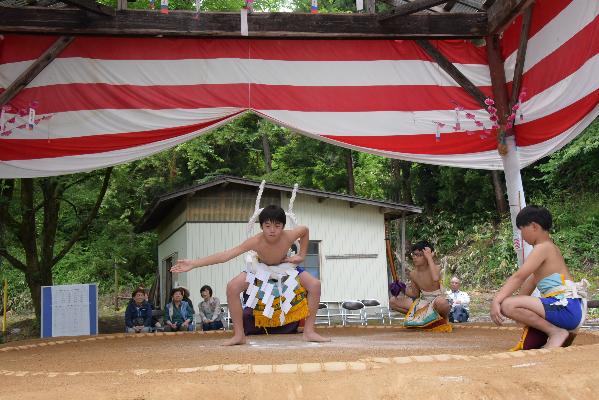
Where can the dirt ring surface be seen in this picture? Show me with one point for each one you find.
(367, 362)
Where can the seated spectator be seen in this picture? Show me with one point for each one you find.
(186, 298)
(460, 302)
(210, 310)
(138, 315)
(178, 314)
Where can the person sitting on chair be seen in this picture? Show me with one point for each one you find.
(210, 310)
(138, 315)
(460, 302)
(178, 315)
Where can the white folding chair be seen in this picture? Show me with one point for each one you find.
(353, 312)
(226, 316)
(322, 315)
(335, 311)
(393, 315)
(373, 311)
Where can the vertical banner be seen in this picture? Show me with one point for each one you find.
(69, 310)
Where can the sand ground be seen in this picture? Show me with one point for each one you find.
(378, 363)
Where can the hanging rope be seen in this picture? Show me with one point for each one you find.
(257, 210)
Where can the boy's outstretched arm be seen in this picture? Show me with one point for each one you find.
(223, 256)
(532, 263)
(303, 234)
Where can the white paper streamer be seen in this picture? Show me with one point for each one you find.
(31, 120)
(244, 22)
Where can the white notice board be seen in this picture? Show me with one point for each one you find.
(69, 310)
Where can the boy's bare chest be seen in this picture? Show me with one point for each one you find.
(273, 253)
(424, 280)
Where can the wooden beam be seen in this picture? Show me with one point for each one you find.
(261, 25)
(521, 57)
(34, 69)
(371, 6)
(92, 6)
(448, 67)
(501, 13)
(122, 4)
(498, 80)
(449, 5)
(410, 8)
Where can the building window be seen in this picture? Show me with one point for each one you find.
(312, 260)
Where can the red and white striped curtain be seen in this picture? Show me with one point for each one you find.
(106, 101)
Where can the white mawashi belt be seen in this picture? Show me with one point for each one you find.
(265, 273)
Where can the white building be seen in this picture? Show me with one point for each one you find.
(347, 249)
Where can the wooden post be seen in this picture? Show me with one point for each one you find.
(116, 287)
(510, 160)
(521, 57)
(4, 306)
(122, 5)
(371, 6)
(403, 248)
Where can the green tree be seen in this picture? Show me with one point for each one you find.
(31, 213)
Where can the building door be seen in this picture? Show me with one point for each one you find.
(167, 263)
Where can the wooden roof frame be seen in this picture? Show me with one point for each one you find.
(404, 22)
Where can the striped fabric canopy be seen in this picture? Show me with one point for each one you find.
(109, 100)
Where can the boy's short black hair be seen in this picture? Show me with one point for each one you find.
(138, 290)
(272, 213)
(175, 290)
(421, 245)
(530, 214)
(208, 288)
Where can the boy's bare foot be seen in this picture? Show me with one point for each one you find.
(556, 338)
(235, 340)
(314, 337)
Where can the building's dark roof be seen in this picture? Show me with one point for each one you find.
(164, 204)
